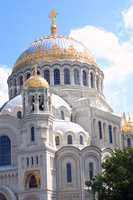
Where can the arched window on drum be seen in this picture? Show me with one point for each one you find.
(21, 81)
(56, 77)
(92, 80)
(84, 78)
(28, 75)
(76, 77)
(15, 87)
(5, 151)
(110, 134)
(66, 76)
(47, 75)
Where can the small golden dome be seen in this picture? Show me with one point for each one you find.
(36, 81)
(127, 124)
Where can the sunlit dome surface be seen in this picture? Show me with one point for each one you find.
(49, 48)
(46, 43)
(61, 125)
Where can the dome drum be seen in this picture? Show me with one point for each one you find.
(68, 62)
(69, 74)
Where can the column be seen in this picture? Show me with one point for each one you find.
(51, 76)
(72, 76)
(61, 76)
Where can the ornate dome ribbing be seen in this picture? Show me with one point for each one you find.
(50, 48)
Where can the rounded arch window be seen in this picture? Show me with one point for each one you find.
(110, 134)
(66, 76)
(10, 83)
(69, 172)
(100, 129)
(56, 77)
(32, 134)
(21, 80)
(2, 197)
(62, 115)
(14, 82)
(92, 80)
(32, 103)
(15, 87)
(47, 75)
(69, 139)
(91, 170)
(76, 77)
(81, 140)
(84, 78)
(32, 181)
(28, 75)
(19, 115)
(41, 102)
(5, 151)
(57, 140)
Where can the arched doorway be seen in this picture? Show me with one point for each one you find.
(2, 197)
(32, 180)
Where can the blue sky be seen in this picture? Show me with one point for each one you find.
(23, 21)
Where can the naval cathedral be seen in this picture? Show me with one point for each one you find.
(57, 127)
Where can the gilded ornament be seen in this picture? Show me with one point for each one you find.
(52, 16)
(127, 124)
(36, 81)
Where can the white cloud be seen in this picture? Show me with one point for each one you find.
(128, 17)
(4, 73)
(106, 45)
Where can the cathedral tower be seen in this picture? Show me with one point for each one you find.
(36, 152)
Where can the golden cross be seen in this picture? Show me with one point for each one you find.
(52, 15)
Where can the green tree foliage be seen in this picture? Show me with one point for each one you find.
(116, 180)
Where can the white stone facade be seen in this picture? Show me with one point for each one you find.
(51, 151)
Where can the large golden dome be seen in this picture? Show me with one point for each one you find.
(54, 47)
(49, 48)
